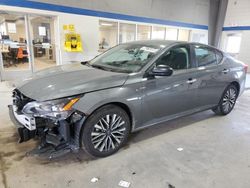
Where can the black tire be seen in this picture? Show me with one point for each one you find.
(105, 131)
(227, 100)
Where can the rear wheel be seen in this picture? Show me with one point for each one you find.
(227, 101)
(105, 131)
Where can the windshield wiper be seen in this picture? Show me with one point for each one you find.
(110, 69)
(86, 63)
(100, 67)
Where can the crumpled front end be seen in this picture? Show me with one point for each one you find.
(55, 123)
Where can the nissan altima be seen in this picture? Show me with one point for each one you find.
(95, 105)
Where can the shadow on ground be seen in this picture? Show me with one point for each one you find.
(17, 152)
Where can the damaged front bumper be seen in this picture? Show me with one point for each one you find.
(21, 121)
(56, 137)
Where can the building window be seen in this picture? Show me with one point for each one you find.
(198, 37)
(143, 32)
(183, 35)
(127, 32)
(158, 32)
(171, 34)
(108, 33)
(42, 31)
(233, 43)
(11, 27)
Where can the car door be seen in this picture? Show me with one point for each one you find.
(210, 75)
(165, 97)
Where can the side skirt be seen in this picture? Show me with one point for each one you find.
(175, 116)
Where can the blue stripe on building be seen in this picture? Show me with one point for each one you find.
(80, 11)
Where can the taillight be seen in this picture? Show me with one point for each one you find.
(245, 68)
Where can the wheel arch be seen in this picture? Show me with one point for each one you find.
(119, 104)
(237, 85)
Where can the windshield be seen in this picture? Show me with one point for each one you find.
(127, 58)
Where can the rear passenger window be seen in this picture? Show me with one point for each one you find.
(205, 56)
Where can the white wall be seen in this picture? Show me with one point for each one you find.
(238, 14)
(190, 11)
(88, 28)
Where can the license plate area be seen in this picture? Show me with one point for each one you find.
(27, 121)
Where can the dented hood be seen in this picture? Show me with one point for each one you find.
(69, 80)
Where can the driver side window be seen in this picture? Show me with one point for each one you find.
(177, 58)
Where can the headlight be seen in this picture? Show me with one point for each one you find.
(60, 108)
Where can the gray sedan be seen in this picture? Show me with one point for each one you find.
(95, 105)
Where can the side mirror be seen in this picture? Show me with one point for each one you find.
(162, 70)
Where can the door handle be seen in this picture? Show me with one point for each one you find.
(225, 71)
(191, 80)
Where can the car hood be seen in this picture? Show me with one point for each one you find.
(69, 80)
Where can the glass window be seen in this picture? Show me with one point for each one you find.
(143, 32)
(11, 27)
(108, 34)
(176, 58)
(219, 56)
(158, 32)
(233, 43)
(127, 32)
(2, 29)
(205, 56)
(126, 57)
(183, 35)
(198, 37)
(13, 45)
(43, 40)
(42, 31)
(171, 34)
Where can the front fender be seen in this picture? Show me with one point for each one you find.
(129, 96)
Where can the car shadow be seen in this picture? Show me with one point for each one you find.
(168, 126)
(138, 136)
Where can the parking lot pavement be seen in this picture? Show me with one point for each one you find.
(201, 150)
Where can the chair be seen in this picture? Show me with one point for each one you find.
(22, 55)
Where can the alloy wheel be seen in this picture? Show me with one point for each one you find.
(108, 132)
(229, 99)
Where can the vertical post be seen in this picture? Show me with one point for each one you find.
(118, 33)
(151, 32)
(165, 33)
(189, 35)
(1, 65)
(56, 31)
(29, 43)
(217, 13)
(136, 30)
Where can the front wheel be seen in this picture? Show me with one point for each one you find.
(227, 101)
(105, 131)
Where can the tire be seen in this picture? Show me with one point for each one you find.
(227, 101)
(105, 131)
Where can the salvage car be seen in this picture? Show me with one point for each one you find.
(96, 104)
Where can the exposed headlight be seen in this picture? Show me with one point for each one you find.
(59, 109)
